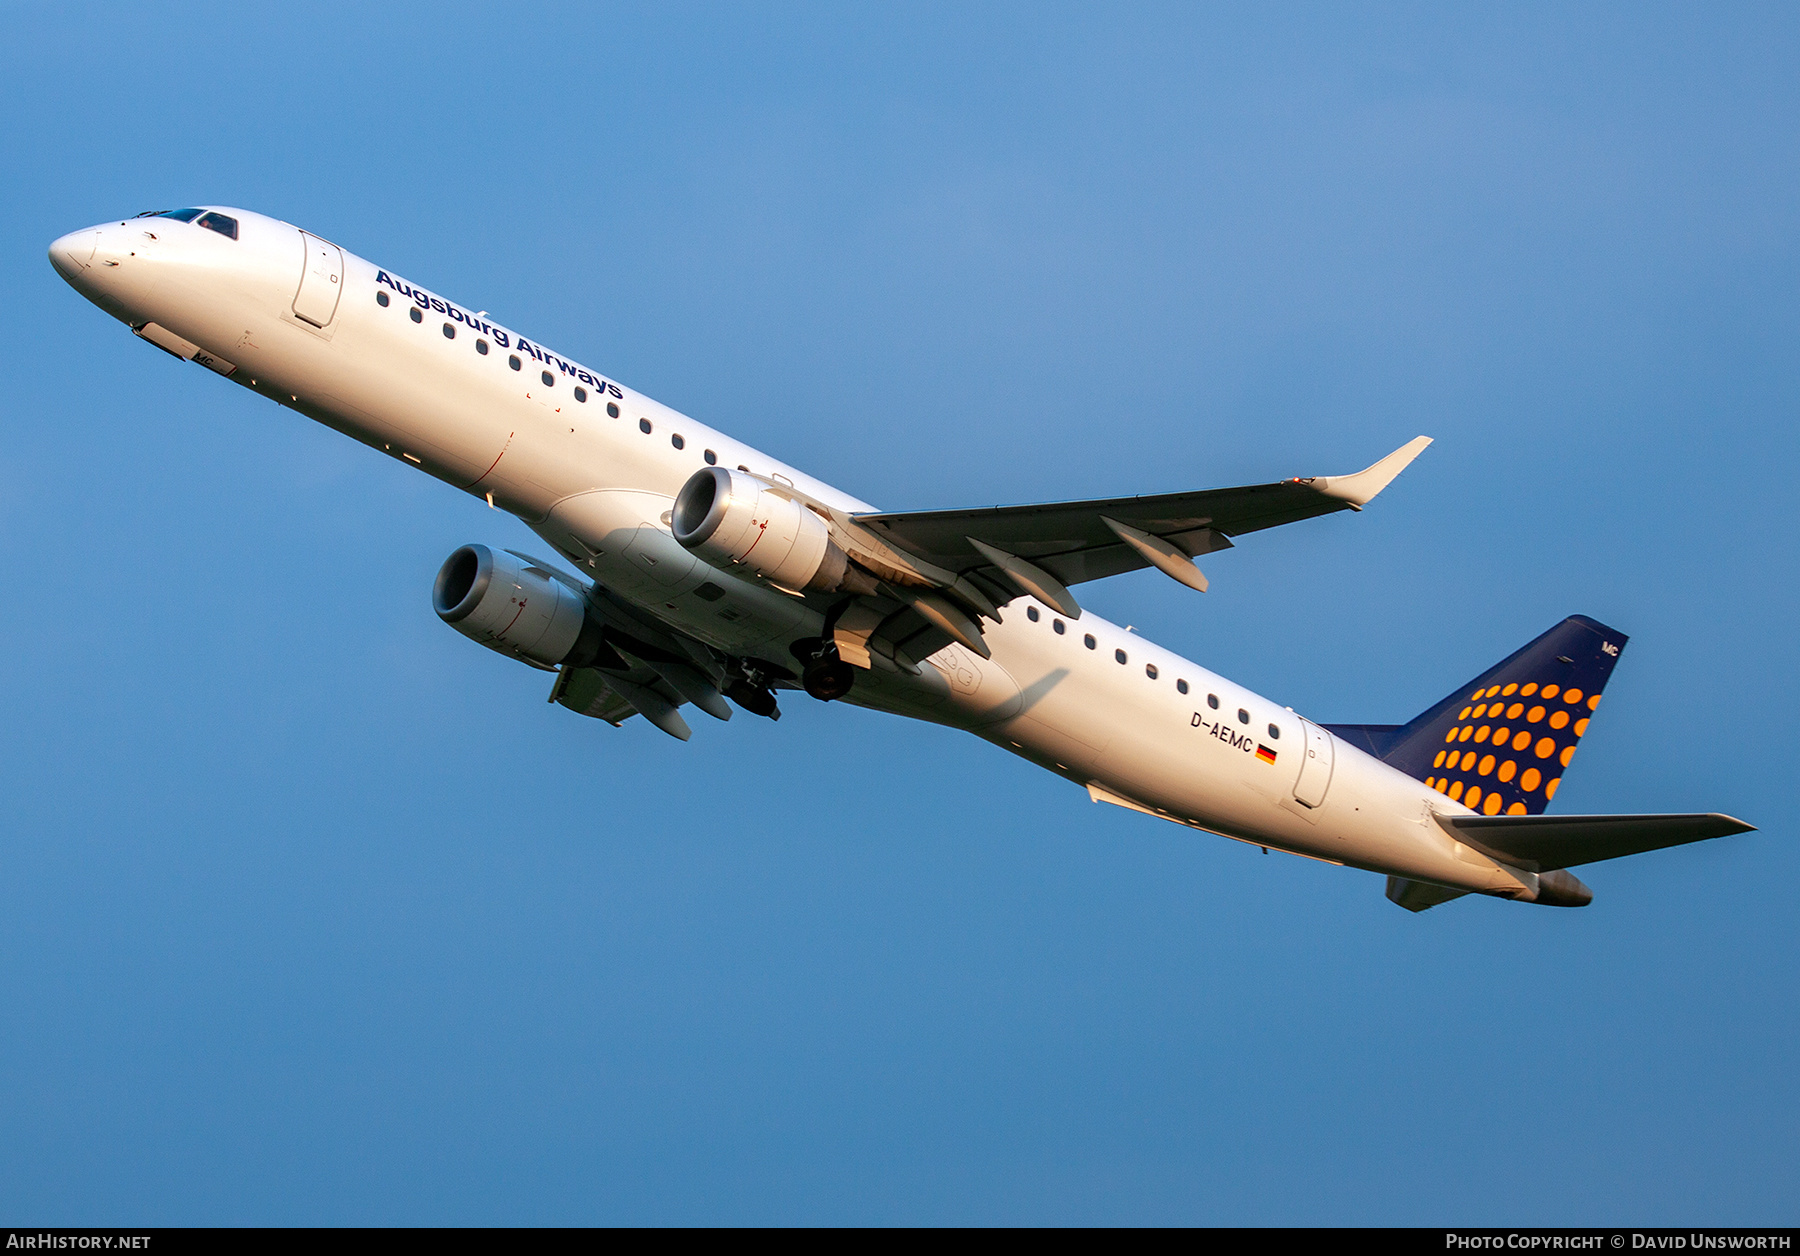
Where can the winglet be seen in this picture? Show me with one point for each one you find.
(1360, 489)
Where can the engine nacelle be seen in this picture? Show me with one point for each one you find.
(733, 520)
(508, 605)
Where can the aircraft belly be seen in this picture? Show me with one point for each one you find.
(981, 692)
(1060, 725)
(921, 697)
(616, 537)
(1142, 744)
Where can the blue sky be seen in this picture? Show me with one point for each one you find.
(311, 911)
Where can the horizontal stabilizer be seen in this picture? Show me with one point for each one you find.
(1418, 895)
(1543, 843)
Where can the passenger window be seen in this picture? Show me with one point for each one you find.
(1181, 686)
(1243, 716)
(612, 411)
(481, 347)
(449, 331)
(548, 378)
(512, 360)
(1150, 670)
(381, 299)
(226, 227)
(1274, 733)
(1212, 700)
(580, 393)
(1058, 625)
(1088, 641)
(1119, 655)
(412, 312)
(712, 459)
(644, 426)
(1031, 613)
(677, 441)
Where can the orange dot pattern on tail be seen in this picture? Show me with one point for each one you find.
(1502, 744)
(1510, 779)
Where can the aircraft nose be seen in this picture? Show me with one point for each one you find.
(73, 254)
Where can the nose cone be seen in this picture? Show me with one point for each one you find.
(73, 254)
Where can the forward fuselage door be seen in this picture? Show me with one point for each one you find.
(321, 281)
(1315, 766)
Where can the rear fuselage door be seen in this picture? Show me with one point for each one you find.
(1315, 766)
(321, 281)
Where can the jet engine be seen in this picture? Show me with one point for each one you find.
(732, 520)
(515, 607)
(511, 606)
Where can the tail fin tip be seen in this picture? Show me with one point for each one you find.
(1501, 742)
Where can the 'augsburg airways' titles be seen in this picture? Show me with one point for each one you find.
(505, 339)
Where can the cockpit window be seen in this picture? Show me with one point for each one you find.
(219, 222)
(180, 215)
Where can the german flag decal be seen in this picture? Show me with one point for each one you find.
(1264, 753)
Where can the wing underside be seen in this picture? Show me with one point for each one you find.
(640, 665)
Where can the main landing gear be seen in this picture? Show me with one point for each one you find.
(822, 673)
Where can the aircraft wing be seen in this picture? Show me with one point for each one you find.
(1073, 542)
(586, 692)
(642, 666)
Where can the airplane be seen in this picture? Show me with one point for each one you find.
(698, 571)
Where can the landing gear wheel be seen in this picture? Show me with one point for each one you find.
(828, 679)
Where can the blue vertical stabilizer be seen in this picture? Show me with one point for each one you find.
(1501, 743)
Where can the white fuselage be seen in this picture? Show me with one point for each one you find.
(1136, 724)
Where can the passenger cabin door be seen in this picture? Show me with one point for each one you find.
(1315, 766)
(321, 281)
